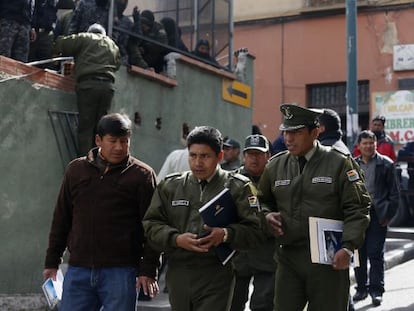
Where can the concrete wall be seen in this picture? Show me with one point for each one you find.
(32, 169)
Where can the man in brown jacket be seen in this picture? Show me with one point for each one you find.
(98, 215)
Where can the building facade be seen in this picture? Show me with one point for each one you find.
(301, 55)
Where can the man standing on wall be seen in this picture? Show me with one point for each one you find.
(257, 264)
(98, 217)
(97, 58)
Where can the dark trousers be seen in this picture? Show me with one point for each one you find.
(372, 250)
(299, 281)
(263, 291)
(14, 39)
(41, 49)
(94, 101)
(206, 287)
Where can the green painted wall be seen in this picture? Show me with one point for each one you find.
(31, 167)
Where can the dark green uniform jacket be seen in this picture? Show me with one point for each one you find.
(260, 258)
(331, 186)
(174, 210)
(94, 54)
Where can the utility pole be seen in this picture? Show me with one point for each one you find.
(352, 77)
(110, 18)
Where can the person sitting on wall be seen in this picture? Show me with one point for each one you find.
(202, 50)
(142, 53)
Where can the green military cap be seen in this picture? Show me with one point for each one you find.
(296, 117)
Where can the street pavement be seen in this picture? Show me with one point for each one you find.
(399, 290)
(399, 278)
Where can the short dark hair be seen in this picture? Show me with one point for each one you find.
(366, 134)
(114, 124)
(206, 135)
(330, 120)
(379, 118)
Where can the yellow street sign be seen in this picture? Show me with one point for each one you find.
(237, 93)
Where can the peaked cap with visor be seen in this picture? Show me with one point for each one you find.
(296, 117)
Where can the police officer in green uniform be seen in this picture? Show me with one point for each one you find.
(311, 180)
(256, 264)
(196, 278)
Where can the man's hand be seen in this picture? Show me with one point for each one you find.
(190, 242)
(385, 222)
(274, 220)
(215, 237)
(33, 35)
(149, 286)
(50, 273)
(136, 14)
(341, 260)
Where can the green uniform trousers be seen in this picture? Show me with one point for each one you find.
(298, 281)
(94, 100)
(200, 287)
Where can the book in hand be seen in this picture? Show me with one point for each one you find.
(220, 211)
(53, 289)
(326, 239)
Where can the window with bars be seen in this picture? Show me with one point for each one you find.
(333, 96)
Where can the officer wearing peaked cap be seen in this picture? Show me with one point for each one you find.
(296, 117)
(311, 180)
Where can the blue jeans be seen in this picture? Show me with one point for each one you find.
(87, 289)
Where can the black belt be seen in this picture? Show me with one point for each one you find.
(102, 78)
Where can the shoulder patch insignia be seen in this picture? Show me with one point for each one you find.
(254, 202)
(352, 175)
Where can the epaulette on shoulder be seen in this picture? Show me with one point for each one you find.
(173, 175)
(280, 153)
(240, 177)
(339, 150)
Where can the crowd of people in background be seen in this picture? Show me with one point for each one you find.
(29, 28)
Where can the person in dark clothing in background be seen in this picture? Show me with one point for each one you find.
(202, 50)
(173, 33)
(63, 22)
(15, 28)
(143, 53)
(97, 58)
(98, 216)
(89, 12)
(380, 180)
(231, 152)
(121, 38)
(43, 23)
(330, 133)
(278, 144)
